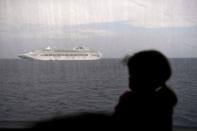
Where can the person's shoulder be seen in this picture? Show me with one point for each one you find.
(126, 95)
(169, 95)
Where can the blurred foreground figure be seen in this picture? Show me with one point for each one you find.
(149, 103)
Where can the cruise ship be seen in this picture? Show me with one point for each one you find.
(78, 53)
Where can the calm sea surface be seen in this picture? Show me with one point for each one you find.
(37, 90)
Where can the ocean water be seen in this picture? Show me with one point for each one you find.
(37, 90)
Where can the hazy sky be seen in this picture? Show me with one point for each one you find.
(115, 27)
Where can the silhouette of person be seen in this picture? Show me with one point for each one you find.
(149, 103)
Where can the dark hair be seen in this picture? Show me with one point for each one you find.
(149, 66)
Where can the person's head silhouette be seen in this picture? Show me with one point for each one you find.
(148, 70)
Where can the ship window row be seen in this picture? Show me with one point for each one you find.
(64, 54)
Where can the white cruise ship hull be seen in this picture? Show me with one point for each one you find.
(62, 58)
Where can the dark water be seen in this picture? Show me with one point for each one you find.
(36, 90)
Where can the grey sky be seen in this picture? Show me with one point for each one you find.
(115, 27)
